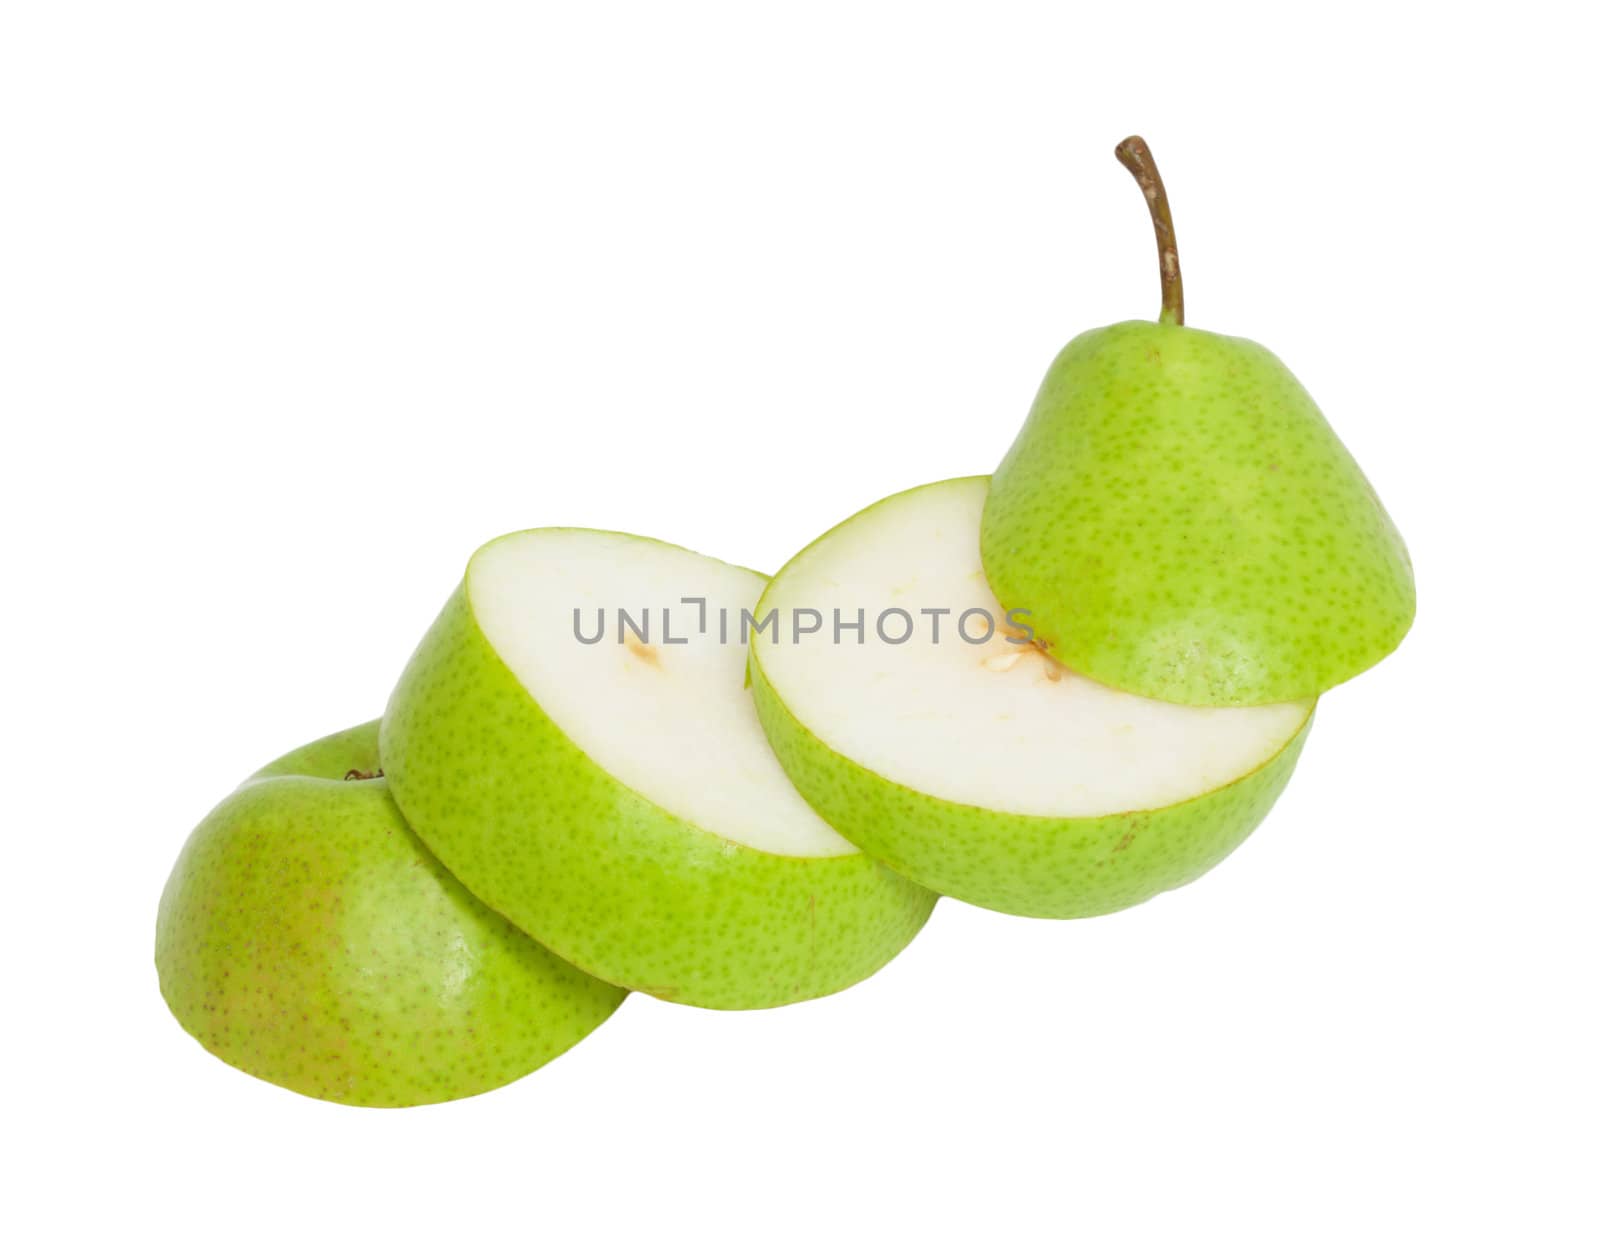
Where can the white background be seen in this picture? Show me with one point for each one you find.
(302, 302)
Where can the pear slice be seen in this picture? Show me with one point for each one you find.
(615, 798)
(306, 937)
(972, 762)
(1181, 521)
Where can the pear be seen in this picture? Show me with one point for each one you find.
(1179, 520)
(575, 740)
(927, 727)
(306, 937)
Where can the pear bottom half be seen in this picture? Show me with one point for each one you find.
(936, 736)
(306, 937)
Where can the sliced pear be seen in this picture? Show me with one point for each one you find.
(1181, 520)
(306, 937)
(616, 798)
(985, 769)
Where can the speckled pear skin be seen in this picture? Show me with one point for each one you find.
(606, 878)
(1184, 524)
(1038, 866)
(306, 937)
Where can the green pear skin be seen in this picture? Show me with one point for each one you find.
(607, 879)
(1031, 865)
(306, 937)
(1181, 522)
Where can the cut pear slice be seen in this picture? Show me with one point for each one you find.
(942, 741)
(307, 938)
(575, 739)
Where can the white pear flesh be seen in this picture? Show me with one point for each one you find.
(985, 769)
(669, 717)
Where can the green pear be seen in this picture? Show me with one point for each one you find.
(1179, 520)
(575, 740)
(942, 741)
(306, 937)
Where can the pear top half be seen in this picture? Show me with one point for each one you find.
(1180, 521)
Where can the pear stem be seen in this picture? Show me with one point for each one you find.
(1134, 155)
